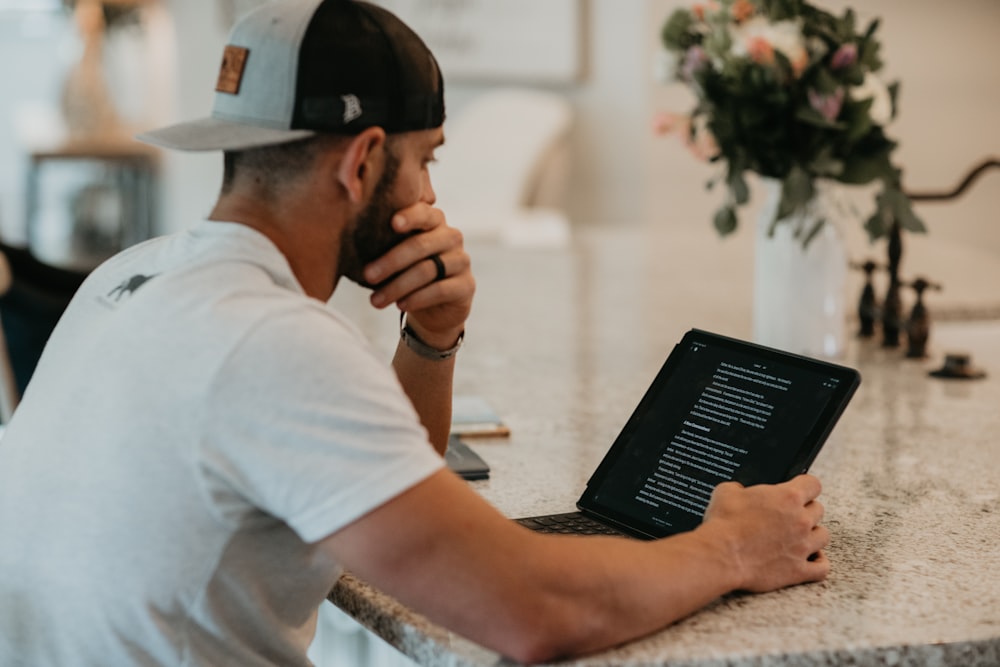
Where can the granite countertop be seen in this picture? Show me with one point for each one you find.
(564, 343)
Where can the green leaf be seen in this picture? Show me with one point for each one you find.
(893, 96)
(860, 170)
(876, 227)
(853, 75)
(717, 41)
(857, 117)
(676, 33)
(738, 187)
(868, 49)
(725, 220)
(865, 166)
(810, 116)
(826, 164)
(783, 67)
(848, 22)
(811, 234)
(796, 191)
(779, 10)
(825, 82)
(892, 206)
(902, 210)
(872, 27)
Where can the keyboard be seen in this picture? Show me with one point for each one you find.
(570, 523)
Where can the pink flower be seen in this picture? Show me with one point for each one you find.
(696, 136)
(742, 10)
(760, 51)
(665, 122)
(845, 56)
(828, 106)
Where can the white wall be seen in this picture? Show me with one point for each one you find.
(608, 179)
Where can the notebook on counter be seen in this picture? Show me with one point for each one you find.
(719, 409)
(473, 416)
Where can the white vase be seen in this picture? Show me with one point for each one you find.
(799, 293)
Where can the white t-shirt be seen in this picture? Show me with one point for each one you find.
(195, 425)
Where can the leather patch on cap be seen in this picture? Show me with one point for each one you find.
(234, 59)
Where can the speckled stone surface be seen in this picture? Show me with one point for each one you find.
(564, 343)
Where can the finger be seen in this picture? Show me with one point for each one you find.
(412, 250)
(815, 510)
(727, 487)
(457, 286)
(807, 486)
(721, 491)
(441, 271)
(819, 539)
(420, 277)
(817, 568)
(457, 291)
(419, 217)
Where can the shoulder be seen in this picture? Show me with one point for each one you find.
(305, 341)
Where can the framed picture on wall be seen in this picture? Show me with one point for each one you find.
(516, 41)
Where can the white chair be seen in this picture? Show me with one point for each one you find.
(503, 169)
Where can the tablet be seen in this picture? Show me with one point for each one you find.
(719, 409)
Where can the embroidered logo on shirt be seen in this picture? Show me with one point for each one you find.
(128, 286)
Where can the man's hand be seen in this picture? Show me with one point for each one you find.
(436, 309)
(774, 530)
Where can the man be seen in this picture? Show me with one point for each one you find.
(206, 445)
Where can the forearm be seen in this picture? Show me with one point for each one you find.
(586, 598)
(428, 383)
(538, 597)
(427, 276)
(571, 597)
(662, 583)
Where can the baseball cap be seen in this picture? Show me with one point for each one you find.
(293, 68)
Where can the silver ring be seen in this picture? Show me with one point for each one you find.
(439, 263)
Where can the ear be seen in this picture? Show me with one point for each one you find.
(356, 171)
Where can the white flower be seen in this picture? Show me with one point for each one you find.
(782, 36)
(873, 88)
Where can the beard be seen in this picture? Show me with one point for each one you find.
(371, 235)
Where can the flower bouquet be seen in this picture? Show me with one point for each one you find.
(790, 92)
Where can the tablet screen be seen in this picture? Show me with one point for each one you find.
(720, 409)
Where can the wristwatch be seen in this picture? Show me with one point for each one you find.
(422, 349)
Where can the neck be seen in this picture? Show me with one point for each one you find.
(308, 234)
